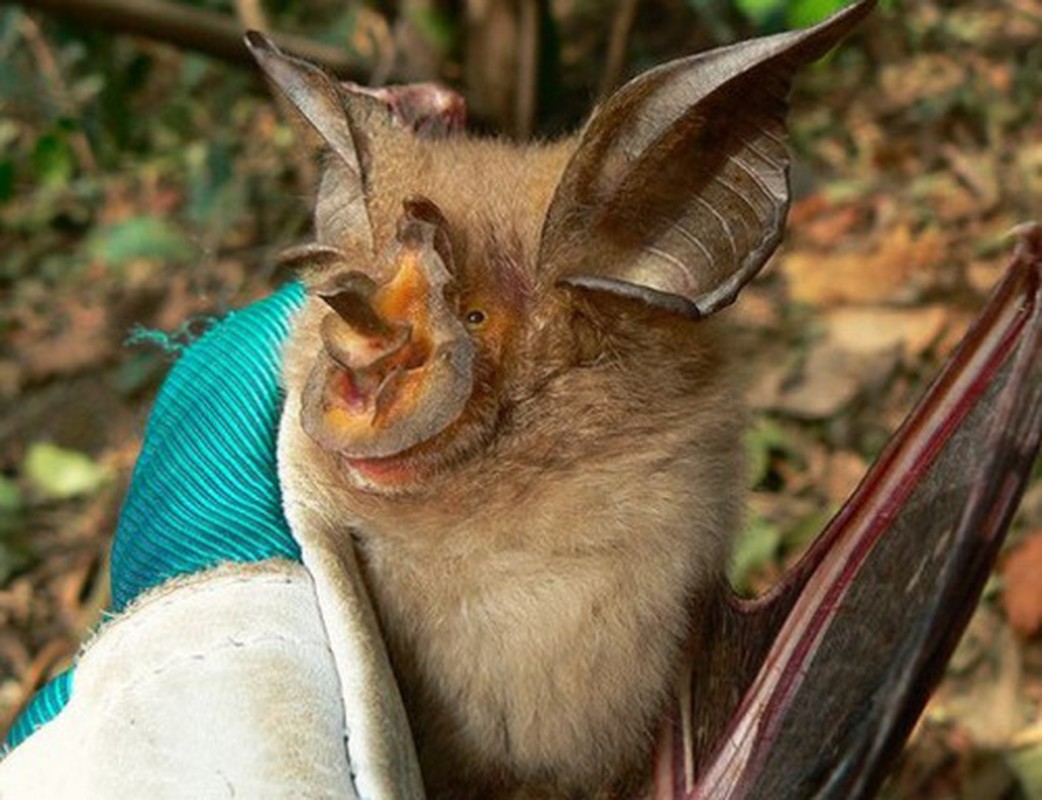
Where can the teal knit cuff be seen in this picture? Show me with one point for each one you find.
(205, 488)
(44, 706)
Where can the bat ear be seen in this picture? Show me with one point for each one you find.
(678, 191)
(343, 122)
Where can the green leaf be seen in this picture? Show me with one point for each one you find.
(140, 237)
(1027, 763)
(216, 198)
(434, 26)
(798, 535)
(757, 546)
(15, 555)
(762, 13)
(6, 180)
(52, 159)
(138, 372)
(59, 474)
(10, 496)
(804, 13)
(194, 69)
(763, 439)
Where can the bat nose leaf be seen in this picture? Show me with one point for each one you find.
(397, 363)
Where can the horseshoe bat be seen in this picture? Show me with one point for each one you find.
(509, 395)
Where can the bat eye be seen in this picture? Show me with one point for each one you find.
(475, 318)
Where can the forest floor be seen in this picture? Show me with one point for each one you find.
(143, 186)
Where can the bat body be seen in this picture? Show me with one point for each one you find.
(535, 619)
(505, 394)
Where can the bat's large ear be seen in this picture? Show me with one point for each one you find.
(678, 191)
(343, 122)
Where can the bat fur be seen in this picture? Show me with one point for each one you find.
(543, 508)
(536, 586)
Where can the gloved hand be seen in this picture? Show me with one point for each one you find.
(205, 489)
(226, 665)
(214, 624)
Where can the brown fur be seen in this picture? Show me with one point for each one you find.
(551, 508)
(535, 587)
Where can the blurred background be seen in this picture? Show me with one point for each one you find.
(147, 182)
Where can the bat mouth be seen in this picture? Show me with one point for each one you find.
(396, 366)
(393, 474)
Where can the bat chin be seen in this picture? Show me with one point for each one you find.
(395, 475)
(367, 467)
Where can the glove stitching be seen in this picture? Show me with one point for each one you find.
(229, 644)
(162, 596)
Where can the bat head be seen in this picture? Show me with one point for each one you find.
(454, 279)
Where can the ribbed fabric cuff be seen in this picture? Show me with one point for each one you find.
(205, 488)
(42, 709)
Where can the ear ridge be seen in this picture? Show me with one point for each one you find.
(311, 92)
(335, 116)
(678, 190)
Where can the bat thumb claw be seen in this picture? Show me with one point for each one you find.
(1029, 240)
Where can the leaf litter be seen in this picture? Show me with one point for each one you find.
(919, 147)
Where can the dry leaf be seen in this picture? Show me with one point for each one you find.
(983, 274)
(920, 79)
(758, 309)
(989, 709)
(83, 343)
(1023, 595)
(872, 330)
(882, 274)
(830, 379)
(11, 379)
(820, 223)
(948, 199)
(978, 171)
(844, 472)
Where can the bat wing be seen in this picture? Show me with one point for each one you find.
(835, 665)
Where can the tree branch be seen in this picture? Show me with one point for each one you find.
(625, 13)
(207, 32)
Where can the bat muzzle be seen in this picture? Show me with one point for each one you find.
(396, 367)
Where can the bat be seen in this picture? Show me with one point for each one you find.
(509, 395)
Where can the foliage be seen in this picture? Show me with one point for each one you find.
(140, 184)
(771, 14)
(775, 15)
(13, 553)
(57, 473)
